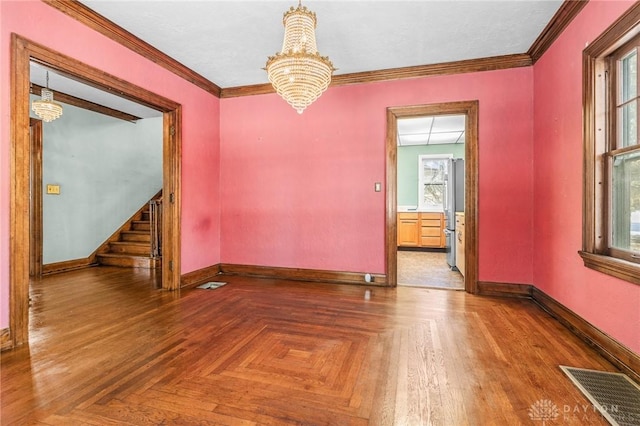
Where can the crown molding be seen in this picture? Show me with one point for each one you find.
(445, 68)
(99, 23)
(563, 17)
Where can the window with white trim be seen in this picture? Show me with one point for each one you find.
(432, 175)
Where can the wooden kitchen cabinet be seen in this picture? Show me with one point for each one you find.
(460, 244)
(421, 229)
(409, 229)
(431, 230)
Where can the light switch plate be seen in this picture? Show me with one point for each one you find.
(377, 187)
(53, 189)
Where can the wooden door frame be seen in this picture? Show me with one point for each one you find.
(470, 109)
(35, 191)
(23, 52)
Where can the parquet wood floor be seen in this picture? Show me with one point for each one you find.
(106, 347)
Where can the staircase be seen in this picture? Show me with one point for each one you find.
(134, 245)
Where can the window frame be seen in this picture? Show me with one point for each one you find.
(421, 205)
(614, 146)
(598, 133)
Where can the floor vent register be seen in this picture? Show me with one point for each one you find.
(614, 395)
(211, 285)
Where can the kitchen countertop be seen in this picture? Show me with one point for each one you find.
(414, 209)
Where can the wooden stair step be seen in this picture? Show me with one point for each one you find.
(141, 225)
(142, 236)
(128, 261)
(130, 247)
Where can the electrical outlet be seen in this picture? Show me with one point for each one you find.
(53, 189)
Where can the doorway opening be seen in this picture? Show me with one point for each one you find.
(22, 156)
(430, 198)
(102, 163)
(422, 235)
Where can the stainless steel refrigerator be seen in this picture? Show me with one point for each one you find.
(453, 202)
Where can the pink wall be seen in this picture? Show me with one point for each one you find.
(200, 150)
(297, 190)
(608, 303)
(270, 187)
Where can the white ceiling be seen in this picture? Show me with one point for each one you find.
(228, 42)
(59, 83)
(432, 130)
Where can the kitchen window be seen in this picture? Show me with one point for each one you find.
(432, 175)
(611, 208)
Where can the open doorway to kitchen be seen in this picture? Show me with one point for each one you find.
(431, 195)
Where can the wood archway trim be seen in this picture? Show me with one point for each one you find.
(470, 109)
(23, 52)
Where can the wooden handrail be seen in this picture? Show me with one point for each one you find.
(155, 218)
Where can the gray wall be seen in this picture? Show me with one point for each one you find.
(106, 168)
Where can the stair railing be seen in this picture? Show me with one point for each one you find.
(155, 217)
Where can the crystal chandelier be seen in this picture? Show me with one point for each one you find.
(298, 73)
(45, 108)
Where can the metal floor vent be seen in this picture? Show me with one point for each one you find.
(615, 395)
(211, 285)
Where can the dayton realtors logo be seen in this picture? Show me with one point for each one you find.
(543, 410)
